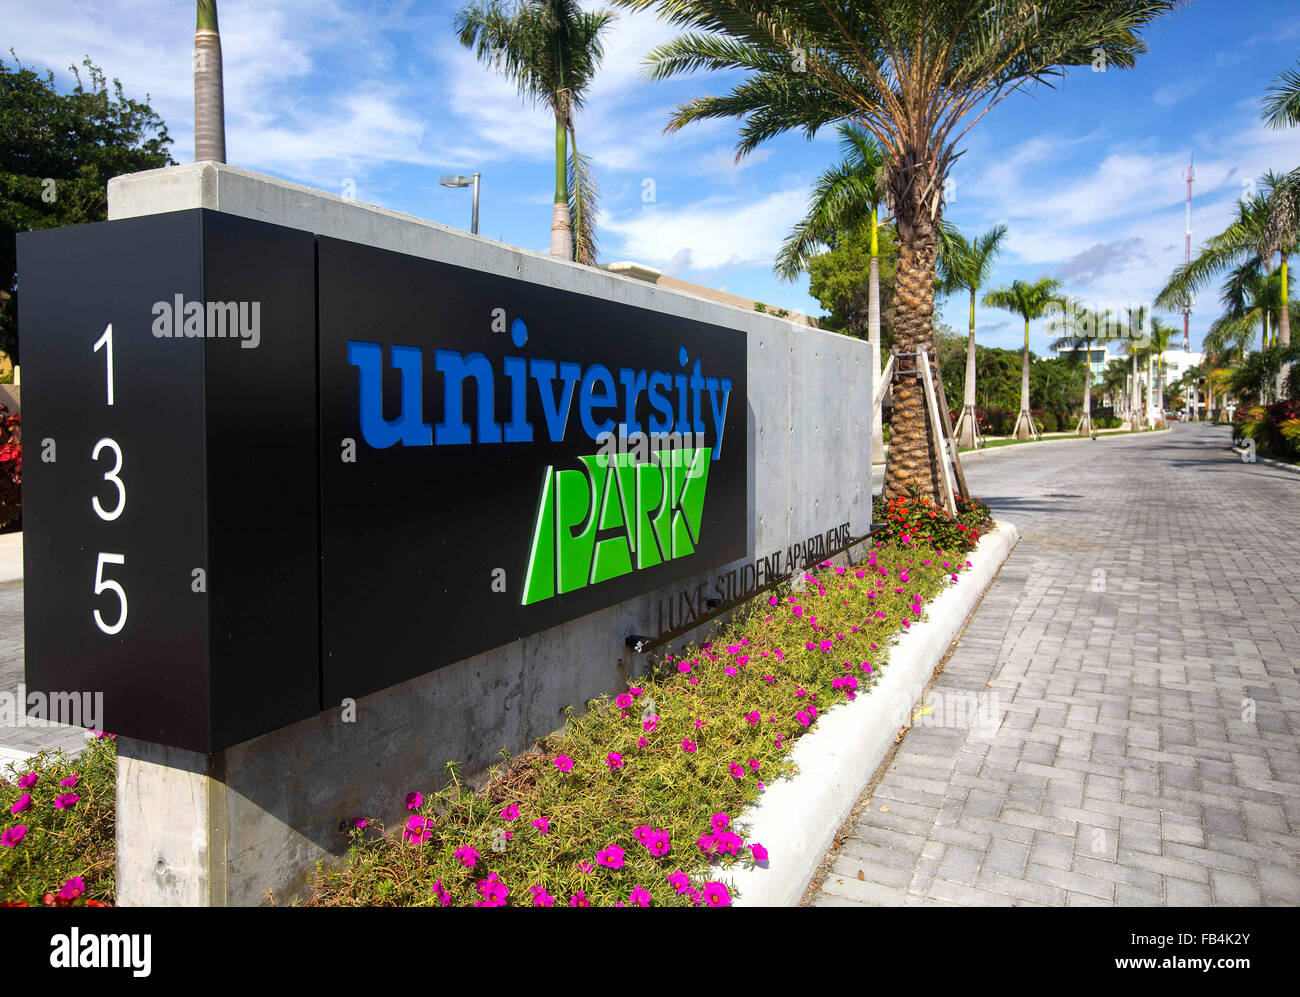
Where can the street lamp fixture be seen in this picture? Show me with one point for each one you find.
(456, 180)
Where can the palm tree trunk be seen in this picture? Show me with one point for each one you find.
(209, 100)
(1283, 315)
(1025, 420)
(873, 337)
(1284, 329)
(1135, 398)
(966, 422)
(912, 461)
(1085, 421)
(561, 229)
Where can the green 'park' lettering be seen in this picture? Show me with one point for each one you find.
(615, 515)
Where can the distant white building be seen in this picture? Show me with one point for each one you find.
(1176, 361)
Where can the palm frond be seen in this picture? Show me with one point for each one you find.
(1282, 101)
(584, 196)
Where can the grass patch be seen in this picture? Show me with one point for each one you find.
(57, 822)
(635, 800)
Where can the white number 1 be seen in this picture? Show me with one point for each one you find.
(107, 340)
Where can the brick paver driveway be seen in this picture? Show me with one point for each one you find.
(1137, 658)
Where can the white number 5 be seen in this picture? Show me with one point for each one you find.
(110, 476)
(103, 584)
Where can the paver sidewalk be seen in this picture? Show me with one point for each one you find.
(1138, 659)
(20, 742)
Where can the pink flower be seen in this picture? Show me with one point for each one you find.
(803, 718)
(753, 764)
(564, 763)
(65, 801)
(680, 880)
(543, 824)
(759, 852)
(540, 897)
(641, 742)
(587, 867)
(688, 746)
(494, 892)
(579, 899)
(650, 724)
(699, 723)
(729, 670)
(684, 667)
(614, 760)
(720, 822)
(23, 803)
(624, 701)
(440, 893)
(752, 717)
(70, 781)
(413, 800)
(511, 812)
(359, 822)
(73, 888)
(28, 781)
(729, 842)
(13, 835)
(417, 829)
(716, 895)
(610, 857)
(706, 844)
(736, 771)
(467, 855)
(639, 896)
(656, 841)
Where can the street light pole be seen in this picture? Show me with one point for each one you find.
(456, 180)
(473, 225)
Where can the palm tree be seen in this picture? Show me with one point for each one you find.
(551, 50)
(846, 197)
(966, 266)
(1113, 380)
(1137, 346)
(1160, 336)
(1082, 327)
(918, 76)
(1265, 225)
(209, 100)
(1029, 301)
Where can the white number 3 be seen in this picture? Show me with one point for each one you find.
(110, 476)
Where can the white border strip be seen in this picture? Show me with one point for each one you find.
(796, 818)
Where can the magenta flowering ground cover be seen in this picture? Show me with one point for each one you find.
(65, 805)
(616, 810)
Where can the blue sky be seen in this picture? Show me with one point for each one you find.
(1089, 176)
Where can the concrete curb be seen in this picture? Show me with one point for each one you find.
(1293, 468)
(796, 818)
(1018, 447)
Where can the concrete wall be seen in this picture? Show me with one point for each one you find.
(225, 829)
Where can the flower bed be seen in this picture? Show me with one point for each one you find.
(630, 804)
(11, 469)
(56, 828)
(633, 802)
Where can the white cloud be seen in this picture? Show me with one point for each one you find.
(715, 232)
